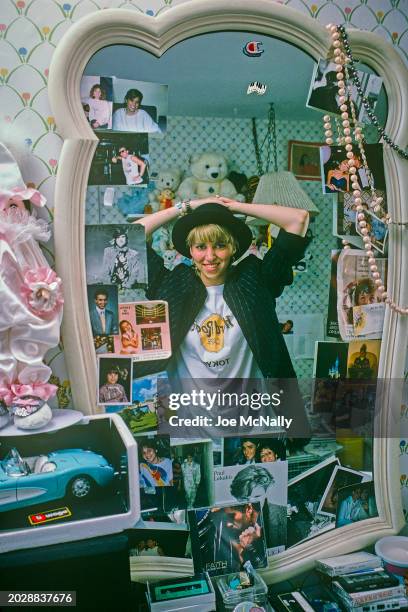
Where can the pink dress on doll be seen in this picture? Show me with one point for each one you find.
(30, 310)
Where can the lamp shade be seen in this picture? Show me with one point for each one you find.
(283, 189)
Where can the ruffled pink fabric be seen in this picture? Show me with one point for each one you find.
(13, 393)
(42, 291)
(21, 193)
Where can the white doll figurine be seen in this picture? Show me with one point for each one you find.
(30, 301)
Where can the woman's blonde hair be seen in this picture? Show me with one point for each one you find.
(212, 233)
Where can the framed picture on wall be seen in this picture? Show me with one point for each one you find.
(304, 160)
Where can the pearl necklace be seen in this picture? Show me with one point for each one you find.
(342, 58)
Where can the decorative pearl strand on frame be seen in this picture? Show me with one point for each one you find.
(343, 59)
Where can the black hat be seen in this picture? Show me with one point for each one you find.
(211, 214)
(120, 231)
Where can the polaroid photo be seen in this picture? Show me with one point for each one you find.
(114, 381)
(155, 464)
(335, 169)
(341, 477)
(355, 503)
(154, 542)
(244, 451)
(97, 101)
(224, 539)
(140, 106)
(144, 330)
(122, 250)
(192, 476)
(103, 310)
(363, 358)
(120, 159)
(300, 333)
(323, 92)
(355, 287)
(378, 230)
(305, 492)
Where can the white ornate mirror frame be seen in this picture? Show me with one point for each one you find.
(156, 35)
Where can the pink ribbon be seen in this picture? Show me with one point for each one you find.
(21, 193)
(13, 393)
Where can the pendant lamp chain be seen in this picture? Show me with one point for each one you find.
(269, 142)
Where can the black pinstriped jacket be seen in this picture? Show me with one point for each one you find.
(250, 290)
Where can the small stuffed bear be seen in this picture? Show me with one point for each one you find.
(209, 171)
(167, 181)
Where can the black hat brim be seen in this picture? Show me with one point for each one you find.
(207, 214)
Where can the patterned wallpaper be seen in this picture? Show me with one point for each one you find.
(31, 29)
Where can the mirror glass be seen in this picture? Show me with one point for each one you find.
(195, 99)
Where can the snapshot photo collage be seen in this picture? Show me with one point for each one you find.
(334, 164)
(237, 503)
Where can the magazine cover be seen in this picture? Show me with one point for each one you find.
(266, 483)
(332, 327)
(223, 540)
(355, 288)
(144, 331)
(116, 255)
(305, 493)
(323, 92)
(355, 503)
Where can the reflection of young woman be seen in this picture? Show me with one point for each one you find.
(100, 110)
(128, 337)
(223, 321)
(191, 479)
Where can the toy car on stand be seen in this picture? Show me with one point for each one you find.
(75, 473)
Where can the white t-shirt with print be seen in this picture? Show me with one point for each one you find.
(215, 346)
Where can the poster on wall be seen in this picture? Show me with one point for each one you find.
(323, 92)
(122, 250)
(332, 326)
(120, 159)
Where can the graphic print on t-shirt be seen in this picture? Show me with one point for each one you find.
(211, 331)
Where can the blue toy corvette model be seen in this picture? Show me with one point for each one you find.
(71, 472)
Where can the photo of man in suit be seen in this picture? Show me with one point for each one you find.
(104, 322)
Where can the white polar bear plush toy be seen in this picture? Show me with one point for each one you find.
(209, 171)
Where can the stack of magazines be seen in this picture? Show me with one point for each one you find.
(362, 584)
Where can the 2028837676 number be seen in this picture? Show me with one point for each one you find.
(39, 598)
